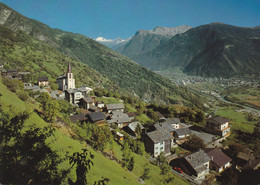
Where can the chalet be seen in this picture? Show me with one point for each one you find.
(181, 135)
(158, 141)
(119, 118)
(79, 118)
(170, 124)
(218, 125)
(131, 115)
(97, 117)
(10, 73)
(160, 116)
(219, 161)
(100, 105)
(131, 128)
(244, 158)
(43, 81)
(86, 102)
(119, 136)
(115, 107)
(196, 164)
(73, 96)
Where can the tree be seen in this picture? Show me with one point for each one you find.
(165, 168)
(100, 137)
(161, 159)
(145, 175)
(194, 143)
(138, 130)
(127, 160)
(83, 165)
(25, 158)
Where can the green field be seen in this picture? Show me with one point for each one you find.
(245, 96)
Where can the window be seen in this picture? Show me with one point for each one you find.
(161, 148)
(161, 143)
(156, 148)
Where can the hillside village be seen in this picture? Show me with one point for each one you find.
(166, 137)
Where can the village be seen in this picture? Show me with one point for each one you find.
(161, 138)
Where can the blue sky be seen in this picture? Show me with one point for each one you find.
(122, 18)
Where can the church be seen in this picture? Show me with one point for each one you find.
(66, 81)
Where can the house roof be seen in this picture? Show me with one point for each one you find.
(133, 125)
(159, 136)
(96, 116)
(78, 117)
(197, 160)
(172, 121)
(115, 106)
(167, 127)
(245, 156)
(218, 120)
(43, 78)
(131, 114)
(218, 157)
(182, 131)
(87, 99)
(62, 76)
(159, 115)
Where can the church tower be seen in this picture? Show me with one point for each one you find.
(70, 79)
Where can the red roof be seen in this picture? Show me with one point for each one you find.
(219, 158)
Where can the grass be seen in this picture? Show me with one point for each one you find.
(143, 118)
(108, 100)
(237, 119)
(64, 145)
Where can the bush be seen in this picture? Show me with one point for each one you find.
(22, 95)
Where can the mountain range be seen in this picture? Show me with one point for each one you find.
(212, 50)
(118, 69)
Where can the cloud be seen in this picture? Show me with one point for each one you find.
(102, 39)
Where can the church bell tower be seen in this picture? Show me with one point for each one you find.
(70, 79)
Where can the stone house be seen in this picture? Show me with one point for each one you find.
(86, 102)
(181, 135)
(43, 81)
(219, 126)
(73, 96)
(158, 141)
(115, 107)
(196, 164)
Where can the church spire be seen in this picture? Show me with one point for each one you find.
(69, 68)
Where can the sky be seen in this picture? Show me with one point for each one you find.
(122, 18)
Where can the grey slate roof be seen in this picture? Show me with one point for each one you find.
(44, 78)
(115, 106)
(182, 131)
(159, 136)
(165, 126)
(88, 99)
(96, 116)
(133, 125)
(218, 120)
(62, 76)
(172, 121)
(197, 160)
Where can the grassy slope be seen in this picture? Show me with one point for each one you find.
(27, 54)
(63, 144)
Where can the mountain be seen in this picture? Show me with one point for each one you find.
(146, 40)
(120, 70)
(111, 43)
(213, 50)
